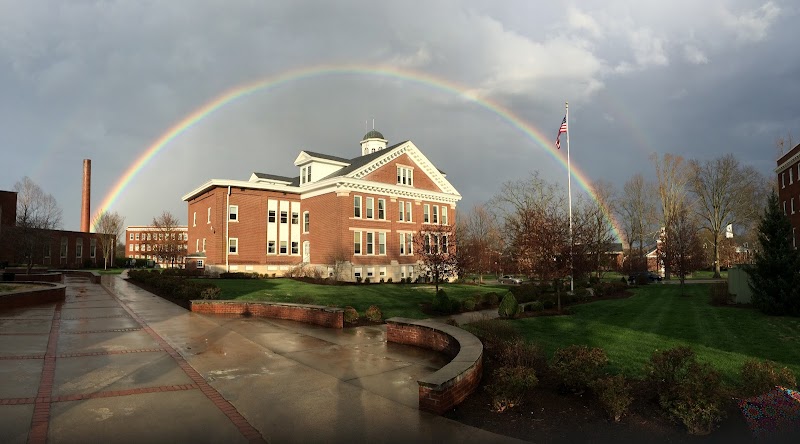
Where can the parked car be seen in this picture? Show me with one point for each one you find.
(649, 275)
(508, 279)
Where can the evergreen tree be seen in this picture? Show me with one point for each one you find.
(775, 276)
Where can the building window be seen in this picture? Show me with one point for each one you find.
(295, 218)
(305, 222)
(382, 271)
(370, 272)
(233, 213)
(426, 214)
(271, 247)
(92, 248)
(357, 272)
(444, 215)
(382, 209)
(199, 263)
(284, 217)
(295, 248)
(64, 242)
(402, 244)
(204, 244)
(783, 180)
(271, 216)
(405, 176)
(233, 245)
(443, 243)
(130, 236)
(197, 245)
(381, 243)
(46, 250)
(194, 219)
(283, 247)
(409, 244)
(357, 206)
(356, 242)
(784, 208)
(369, 242)
(137, 247)
(402, 211)
(792, 205)
(137, 236)
(308, 174)
(130, 247)
(370, 207)
(435, 217)
(302, 175)
(78, 248)
(408, 211)
(791, 176)
(208, 218)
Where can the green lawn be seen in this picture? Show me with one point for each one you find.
(393, 299)
(657, 317)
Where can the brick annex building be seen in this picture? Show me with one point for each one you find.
(157, 244)
(355, 217)
(788, 172)
(58, 248)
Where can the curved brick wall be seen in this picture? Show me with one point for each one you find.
(332, 317)
(22, 298)
(451, 384)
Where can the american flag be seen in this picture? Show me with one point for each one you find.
(563, 129)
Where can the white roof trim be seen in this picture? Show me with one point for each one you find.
(416, 155)
(304, 158)
(788, 163)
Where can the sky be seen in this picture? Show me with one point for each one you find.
(478, 86)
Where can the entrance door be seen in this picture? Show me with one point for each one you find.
(306, 252)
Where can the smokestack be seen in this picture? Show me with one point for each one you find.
(86, 195)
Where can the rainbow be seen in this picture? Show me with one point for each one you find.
(545, 141)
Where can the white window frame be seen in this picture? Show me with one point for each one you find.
(302, 175)
(402, 244)
(130, 236)
(284, 217)
(197, 245)
(357, 207)
(444, 215)
(408, 212)
(233, 213)
(137, 236)
(791, 176)
(402, 210)
(283, 247)
(792, 205)
(233, 245)
(295, 218)
(369, 242)
(306, 221)
(426, 214)
(272, 214)
(200, 263)
(204, 244)
(208, 219)
(381, 243)
(194, 219)
(295, 248)
(370, 208)
(271, 246)
(405, 175)
(357, 243)
(357, 272)
(783, 179)
(92, 248)
(78, 248)
(435, 214)
(308, 174)
(381, 209)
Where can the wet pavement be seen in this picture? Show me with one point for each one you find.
(114, 363)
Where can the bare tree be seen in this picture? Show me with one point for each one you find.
(436, 249)
(673, 175)
(479, 241)
(109, 225)
(594, 231)
(37, 212)
(340, 258)
(682, 246)
(637, 209)
(170, 247)
(726, 193)
(784, 144)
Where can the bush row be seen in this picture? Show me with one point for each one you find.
(174, 287)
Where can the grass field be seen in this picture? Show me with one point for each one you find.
(658, 317)
(393, 299)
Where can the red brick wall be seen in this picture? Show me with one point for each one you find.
(388, 174)
(443, 395)
(39, 277)
(54, 293)
(311, 314)
(790, 189)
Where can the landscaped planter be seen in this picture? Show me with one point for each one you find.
(332, 317)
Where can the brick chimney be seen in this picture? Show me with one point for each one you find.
(86, 195)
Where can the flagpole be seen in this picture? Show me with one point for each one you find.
(569, 199)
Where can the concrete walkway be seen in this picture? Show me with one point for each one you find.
(117, 364)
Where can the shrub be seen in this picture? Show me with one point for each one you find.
(493, 334)
(358, 279)
(688, 390)
(548, 304)
(509, 308)
(468, 304)
(535, 306)
(518, 352)
(389, 280)
(238, 275)
(211, 292)
(719, 294)
(578, 365)
(614, 394)
(452, 322)
(444, 304)
(526, 292)
(373, 313)
(759, 377)
(366, 280)
(492, 298)
(509, 385)
(350, 315)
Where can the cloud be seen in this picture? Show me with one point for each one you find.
(579, 20)
(752, 25)
(694, 55)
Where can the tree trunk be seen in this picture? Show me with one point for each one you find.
(717, 273)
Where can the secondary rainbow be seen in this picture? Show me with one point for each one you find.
(546, 142)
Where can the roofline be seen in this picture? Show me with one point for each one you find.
(240, 184)
(788, 160)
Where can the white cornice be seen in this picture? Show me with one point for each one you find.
(347, 185)
(239, 184)
(416, 155)
(788, 163)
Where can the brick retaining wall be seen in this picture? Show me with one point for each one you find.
(451, 384)
(24, 297)
(331, 317)
(39, 277)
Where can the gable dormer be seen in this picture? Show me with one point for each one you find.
(314, 166)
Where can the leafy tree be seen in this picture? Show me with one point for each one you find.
(110, 226)
(775, 275)
(37, 212)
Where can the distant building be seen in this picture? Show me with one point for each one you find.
(56, 248)
(164, 246)
(354, 218)
(788, 173)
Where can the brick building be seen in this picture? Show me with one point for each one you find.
(352, 217)
(165, 246)
(54, 248)
(788, 172)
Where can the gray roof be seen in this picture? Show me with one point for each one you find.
(373, 135)
(327, 156)
(293, 181)
(360, 161)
